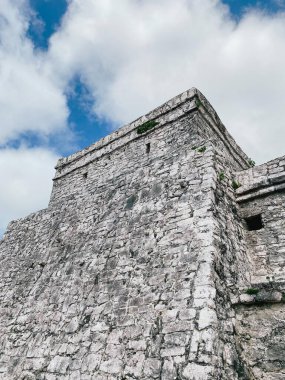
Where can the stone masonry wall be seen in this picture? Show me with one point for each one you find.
(261, 311)
(263, 192)
(138, 268)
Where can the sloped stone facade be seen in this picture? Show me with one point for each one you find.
(142, 266)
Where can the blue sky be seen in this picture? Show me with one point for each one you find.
(86, 126)
(238, 7)
(73, 71)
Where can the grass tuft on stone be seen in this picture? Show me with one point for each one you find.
(148, 125)
(221, 176)
(252, 291)
(251, 162)
(202, 149)
(235, 184)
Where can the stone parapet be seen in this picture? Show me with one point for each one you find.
(187, 102)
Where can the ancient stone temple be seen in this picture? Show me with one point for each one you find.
(161, 255)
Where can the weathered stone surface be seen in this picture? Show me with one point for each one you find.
(142, 267)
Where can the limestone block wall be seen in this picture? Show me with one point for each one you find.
(132, 270)
(260, 329)
(230, 266)
(261, 310)
(204, 134)
(110, 281)
(262, 192)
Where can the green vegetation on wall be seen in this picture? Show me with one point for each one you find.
(146, 126)
(252, 291)
(235, 184)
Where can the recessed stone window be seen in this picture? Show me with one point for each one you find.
(147, 149)
(254, 223)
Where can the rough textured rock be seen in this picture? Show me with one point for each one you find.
(142, 266)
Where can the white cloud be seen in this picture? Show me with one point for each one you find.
(26, 182)
(30, 99)
(135, 54)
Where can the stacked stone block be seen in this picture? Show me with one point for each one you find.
(138, 268)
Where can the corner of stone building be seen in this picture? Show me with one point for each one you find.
(229, 265)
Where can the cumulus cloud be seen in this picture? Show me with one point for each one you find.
(30, 99)
(26, 182)
(135, 54)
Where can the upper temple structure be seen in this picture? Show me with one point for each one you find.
(161, 256)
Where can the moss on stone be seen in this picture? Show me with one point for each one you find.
(146, 126)
(252, 291)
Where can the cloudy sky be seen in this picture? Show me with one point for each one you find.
(71, 71)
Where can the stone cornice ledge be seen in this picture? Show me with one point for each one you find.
(262, 190)
(262, 180)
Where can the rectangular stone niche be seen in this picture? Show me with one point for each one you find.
(254, 223)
